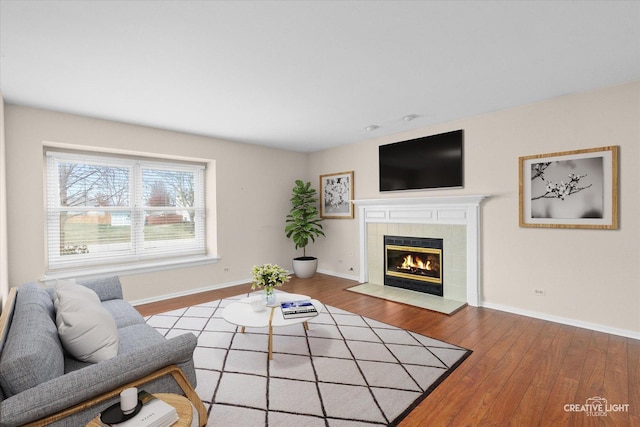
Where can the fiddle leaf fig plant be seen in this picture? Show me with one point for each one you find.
(303, 221)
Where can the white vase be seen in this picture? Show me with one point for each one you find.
(305, 267)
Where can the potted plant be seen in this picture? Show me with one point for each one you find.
(304, 225)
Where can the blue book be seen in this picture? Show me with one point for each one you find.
(303, 308)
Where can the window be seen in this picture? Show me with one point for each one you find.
(110, 210)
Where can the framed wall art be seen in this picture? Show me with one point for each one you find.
(571, 189)
(336, 194)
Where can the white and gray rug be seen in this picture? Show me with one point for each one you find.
(346, 370)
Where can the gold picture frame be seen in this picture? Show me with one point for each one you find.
(336, 194)
(570, 189)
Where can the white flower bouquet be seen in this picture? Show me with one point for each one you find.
(268, 276)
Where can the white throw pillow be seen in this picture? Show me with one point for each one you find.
(89, 334)
(86, 329)
(68, 294)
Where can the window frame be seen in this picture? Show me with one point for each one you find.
(137, 256)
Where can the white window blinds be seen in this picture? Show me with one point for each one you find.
(110, 210)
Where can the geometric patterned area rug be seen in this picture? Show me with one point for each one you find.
(345, 370)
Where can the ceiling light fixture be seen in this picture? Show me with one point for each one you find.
(409, 117)
(371, 128)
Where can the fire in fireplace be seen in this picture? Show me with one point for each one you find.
(414, 263)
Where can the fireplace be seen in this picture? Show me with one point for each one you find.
(414, 263)
(455, 219)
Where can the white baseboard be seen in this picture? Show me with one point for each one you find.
(189, 292)
(537, 315)
(220, 286)
(564, 320)
(529, 313)
(341, 275)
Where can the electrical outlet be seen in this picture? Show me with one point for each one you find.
(539, 292)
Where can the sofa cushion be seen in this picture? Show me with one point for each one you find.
(32, 353)
(123, 313)
(87, 330)
(134, 337)
(130, 339)
(107, 288)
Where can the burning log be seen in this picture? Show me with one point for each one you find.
(416, 265)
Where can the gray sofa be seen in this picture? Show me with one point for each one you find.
(41, 384)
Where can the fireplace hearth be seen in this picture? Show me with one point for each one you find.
(414, 263)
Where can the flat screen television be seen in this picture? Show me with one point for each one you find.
(429, 162)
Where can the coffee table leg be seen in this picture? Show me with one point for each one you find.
(271, 334)
(242, 329)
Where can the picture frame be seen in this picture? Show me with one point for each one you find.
(336, 194)
(570, 189)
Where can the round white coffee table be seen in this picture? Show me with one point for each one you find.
(242, 314)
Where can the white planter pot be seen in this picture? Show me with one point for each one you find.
(305, 267)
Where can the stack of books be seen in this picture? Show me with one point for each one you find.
(154, 413)
(293, 309)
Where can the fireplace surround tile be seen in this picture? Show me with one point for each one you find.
(455, 258)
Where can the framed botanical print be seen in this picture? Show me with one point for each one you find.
(571, 189)
(336, 194)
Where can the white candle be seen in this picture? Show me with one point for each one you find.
(128, 400)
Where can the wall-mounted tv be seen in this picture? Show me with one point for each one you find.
(429, 162)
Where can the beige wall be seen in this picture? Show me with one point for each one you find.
(253, 190)
(4, 276)
(591, 277)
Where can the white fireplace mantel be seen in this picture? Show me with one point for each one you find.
(458, 210)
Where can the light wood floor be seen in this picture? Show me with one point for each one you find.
(522, 372)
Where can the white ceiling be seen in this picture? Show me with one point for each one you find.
(305, 75)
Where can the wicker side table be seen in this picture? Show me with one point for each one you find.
(182, 404)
